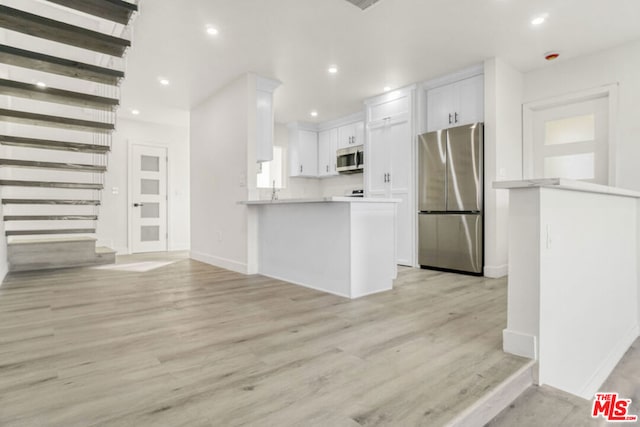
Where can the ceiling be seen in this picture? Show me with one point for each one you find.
(393, 43)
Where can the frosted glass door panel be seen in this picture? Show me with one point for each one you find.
(149, 199)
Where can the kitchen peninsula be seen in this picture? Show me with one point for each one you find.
(341, 245)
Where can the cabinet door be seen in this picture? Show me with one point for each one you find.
(327, 146)
(400, 184)
(358, 133)
(345, 135)
(294, 152)
(469, 96)
(308, 153)
(377, 161)
(440, 108)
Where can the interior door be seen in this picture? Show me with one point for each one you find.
(149, 199)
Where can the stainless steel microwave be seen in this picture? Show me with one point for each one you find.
(351, 159)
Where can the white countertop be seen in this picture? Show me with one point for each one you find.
(333, 199)
(565, 184)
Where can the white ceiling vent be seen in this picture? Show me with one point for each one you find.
(363, 4)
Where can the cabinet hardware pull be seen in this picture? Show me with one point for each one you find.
(388, 177)
(456, 117)
(449, 118)
(300, 168)
(327, 168)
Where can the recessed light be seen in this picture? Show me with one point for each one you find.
(387, 89)
(212, 31)
(135, 112)
(314, 114)
(333, 69)
(163, 81)
(41, 85)
(539, 20)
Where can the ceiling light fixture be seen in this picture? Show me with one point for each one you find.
(539, 20)
(550, 56)
(212, 31)
(135, 112)
(333, 69)
(41, 85)
(163, 81)
(314, 114)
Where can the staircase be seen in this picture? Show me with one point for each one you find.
(63, 61)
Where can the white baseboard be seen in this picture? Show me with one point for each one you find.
(523, 345)
(609, 363)
(496, 271)
(227, 264)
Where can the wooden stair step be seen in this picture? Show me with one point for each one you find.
(24, 117)
(113, 10)
(50, 217)
(64, 67)
(51, 184)
(18, 241)
(50, 231)
(46, 144)
(59, 96)
(50, 29)
(52, 165)
(50, 202)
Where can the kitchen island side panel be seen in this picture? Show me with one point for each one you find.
(306, 244)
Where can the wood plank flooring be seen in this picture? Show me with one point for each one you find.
(188, 344)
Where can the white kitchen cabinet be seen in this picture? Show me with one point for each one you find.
(351, 135)
(303, 152)
(264, 118)
(456, 104)
(389, 165)
(327, 147)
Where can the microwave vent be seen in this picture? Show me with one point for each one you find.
(363, 4)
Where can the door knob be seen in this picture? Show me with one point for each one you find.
(138, 205)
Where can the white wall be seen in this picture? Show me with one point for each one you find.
(618, 65)
(503, 156)
(219, 175)
(113, 223)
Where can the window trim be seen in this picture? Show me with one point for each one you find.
(528, 110)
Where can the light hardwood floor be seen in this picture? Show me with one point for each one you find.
(188, 344)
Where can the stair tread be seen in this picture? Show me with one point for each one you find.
(50, 202)
(113, 10)
(52, 184)
(48, 144)
(50, 29)
(50, 231)
(104, 250)
(51, 165)
(69, 217)
(26, 117)
(23, 241)
(60, 96)
(64, 67)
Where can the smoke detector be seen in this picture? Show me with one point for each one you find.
(363, 4)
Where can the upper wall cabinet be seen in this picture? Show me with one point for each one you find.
(303, 151)
(327, 147)
(351, 135)
(264, 122)
(456, 104)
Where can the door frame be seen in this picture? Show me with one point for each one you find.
(130, 145)
(530, 108)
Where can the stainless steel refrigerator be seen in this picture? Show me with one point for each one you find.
(450, 199)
